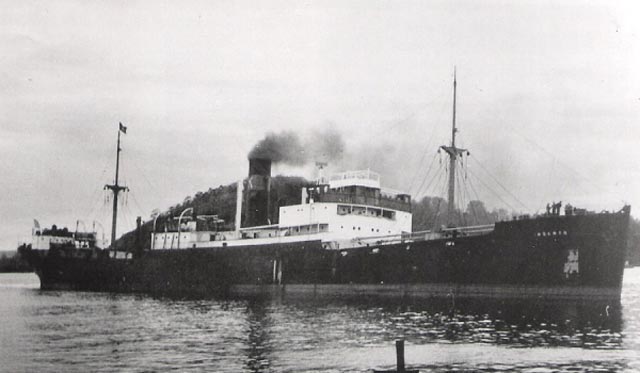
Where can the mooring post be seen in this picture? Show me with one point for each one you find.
(399, 360)
(400, 356)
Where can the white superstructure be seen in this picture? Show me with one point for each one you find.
(351, 208)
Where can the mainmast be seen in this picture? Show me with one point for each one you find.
(454, 153)
(116, 188)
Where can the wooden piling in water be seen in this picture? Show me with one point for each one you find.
(399, 360)
(400, 356)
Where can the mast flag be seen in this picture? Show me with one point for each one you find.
(116, 188)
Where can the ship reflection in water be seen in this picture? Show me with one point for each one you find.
(75, 331)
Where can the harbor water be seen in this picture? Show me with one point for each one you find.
(64, 331)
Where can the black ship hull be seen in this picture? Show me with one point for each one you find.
(577, 256)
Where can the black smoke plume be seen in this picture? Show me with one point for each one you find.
(286, 147)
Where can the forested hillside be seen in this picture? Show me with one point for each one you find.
(220, 201)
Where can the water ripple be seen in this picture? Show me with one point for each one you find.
(79, 332)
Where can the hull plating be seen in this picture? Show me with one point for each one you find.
(550, 257)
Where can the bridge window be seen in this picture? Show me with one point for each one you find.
(344, 210)
(359, 210)
(375, 212)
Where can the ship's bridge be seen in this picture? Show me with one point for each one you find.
(347, 208)
(351, 204)
(365, 178)
(358, 188)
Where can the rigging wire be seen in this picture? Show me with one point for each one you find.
(439, 174)
(500, 184)
(96, 206)
(567, 167)
(415, 174)
(430, 137)
(473, 189)
(461, 198)
(457, 207)
(580, 177)
(127, 216)
(491, 190)
(426, 176)
(461, 191)
(436, 213)
(96, 193)
(135, 201)
(144, 176)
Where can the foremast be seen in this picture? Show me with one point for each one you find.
(116, 189)
(454, 153)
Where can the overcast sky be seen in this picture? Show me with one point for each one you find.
(548, 98)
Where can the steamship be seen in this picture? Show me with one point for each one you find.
(347, 236)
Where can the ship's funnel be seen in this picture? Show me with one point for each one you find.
(257, 193)
(259, 166)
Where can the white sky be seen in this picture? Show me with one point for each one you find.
(548, 100)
